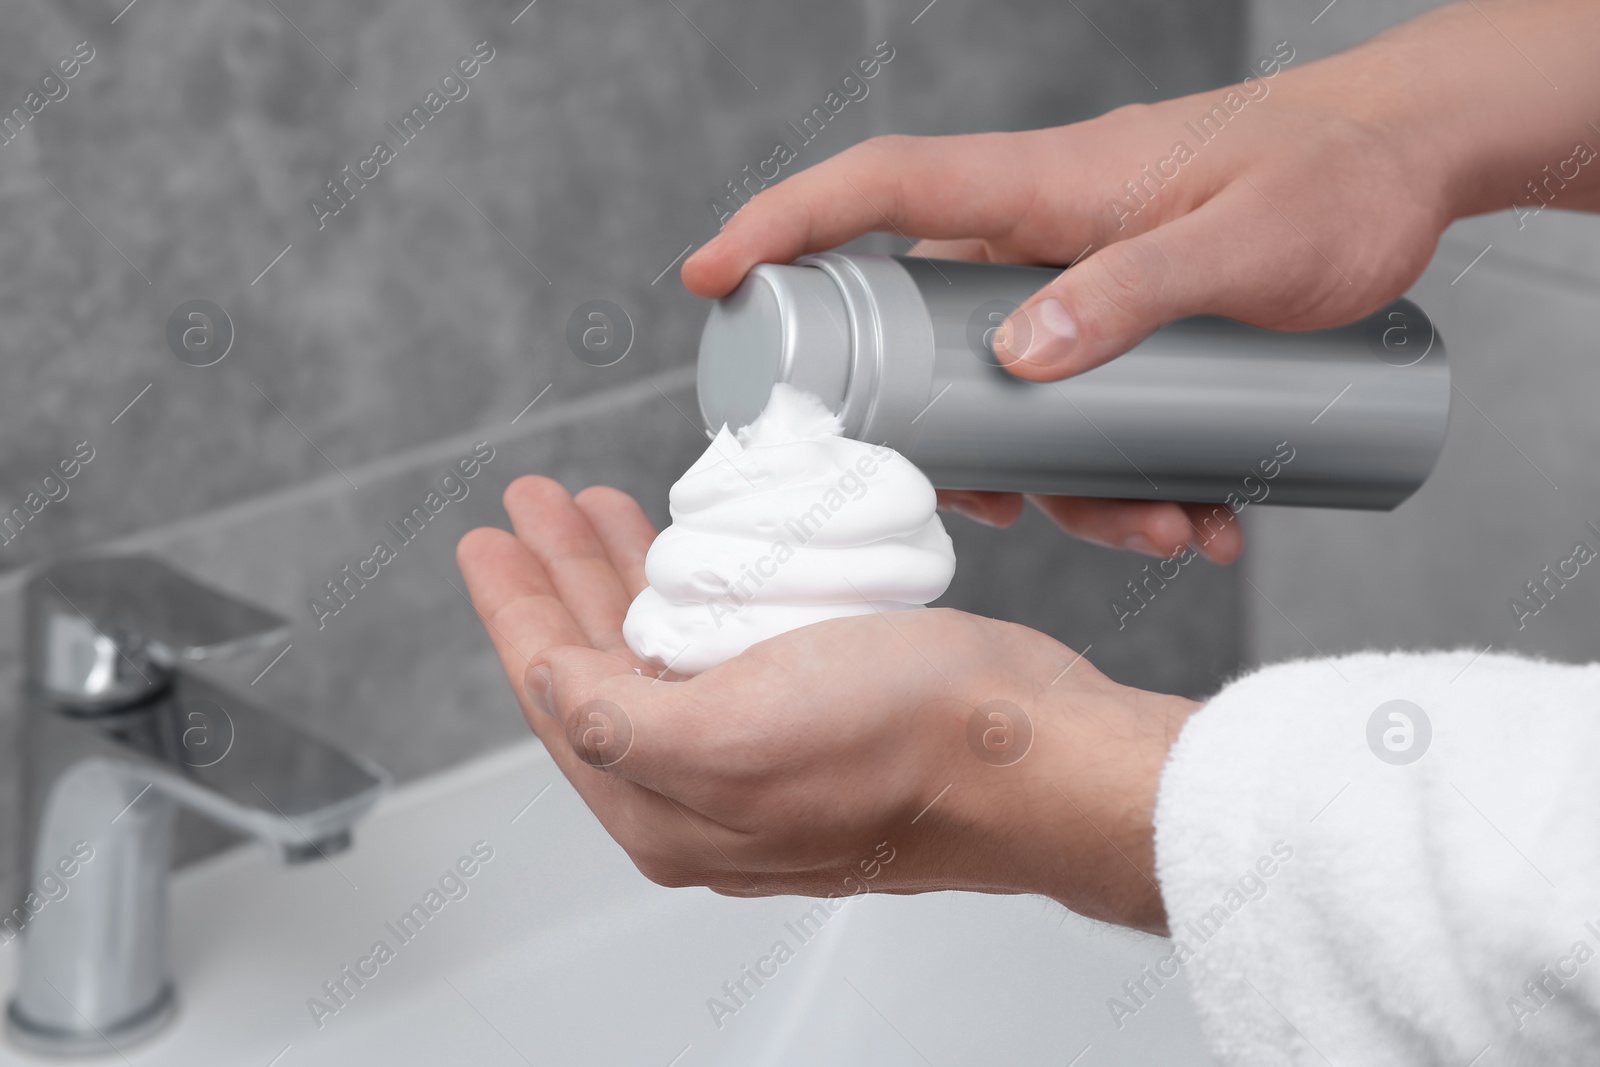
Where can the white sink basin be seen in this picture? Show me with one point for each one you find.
(561, 953)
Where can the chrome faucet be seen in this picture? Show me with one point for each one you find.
(118, 734)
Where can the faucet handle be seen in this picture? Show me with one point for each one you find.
(109, 631)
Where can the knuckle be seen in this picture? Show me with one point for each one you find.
(895, 144)
(876, 166)
(1130, 276)
(664, 872)
(631, 829)
(1134, 110)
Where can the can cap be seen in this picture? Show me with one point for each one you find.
(782, 324)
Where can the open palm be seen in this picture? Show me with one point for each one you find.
(812, 757)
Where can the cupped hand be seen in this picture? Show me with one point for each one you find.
(902, 752)
(1297, 201)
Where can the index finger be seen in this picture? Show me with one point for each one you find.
(514, 596)
(527, 621)
(971, 185)
(525, 618)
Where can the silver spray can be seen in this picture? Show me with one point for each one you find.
(1204, 409)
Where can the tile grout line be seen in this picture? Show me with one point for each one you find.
(620, 397)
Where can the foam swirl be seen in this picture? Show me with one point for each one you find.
(785, 524)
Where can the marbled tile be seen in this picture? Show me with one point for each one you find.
(582, 162)
(403, 673)
(1018, 65)
(1512, 493)
(577, 167)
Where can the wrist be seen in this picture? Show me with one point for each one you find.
(1100, 753)
(1477, 118)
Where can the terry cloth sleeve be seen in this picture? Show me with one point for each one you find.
(1390, 859)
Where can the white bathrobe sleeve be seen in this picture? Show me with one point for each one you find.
(1435, 904)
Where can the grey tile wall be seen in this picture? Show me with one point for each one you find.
(183, 159)
(1511, 494)
(402, 674)
(428, 312)
(1516, 483)
(577, 167)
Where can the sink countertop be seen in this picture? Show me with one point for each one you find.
(560, 952)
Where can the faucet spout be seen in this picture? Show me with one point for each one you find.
(106, 792)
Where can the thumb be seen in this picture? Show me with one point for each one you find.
(1118, 296)
(598, 701)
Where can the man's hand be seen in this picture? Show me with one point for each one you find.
(1295, 217)
(901, 753)
(1306, 197)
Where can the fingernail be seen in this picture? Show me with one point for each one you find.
(541, 689)
(1042, 335)
(1140, 543)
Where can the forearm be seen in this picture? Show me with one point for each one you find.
(1498, 101)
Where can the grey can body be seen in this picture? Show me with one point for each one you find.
(1205, 409)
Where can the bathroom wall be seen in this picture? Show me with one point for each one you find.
(1515, 300)
(373, 347)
